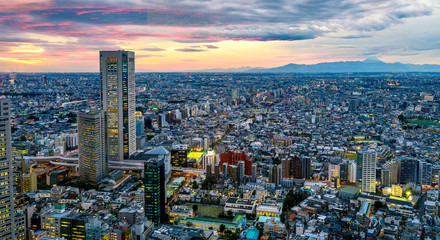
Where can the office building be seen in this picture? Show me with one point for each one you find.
(73, 227)
(179, 155)
(425, 175)
(254, 172)
(367, 172)
(118, 100)
(306, 167)
(344, 172)
(51, 221)
(409, 170)
(154, 185)
(7, 225)
(333, 170)
(240, 171)
(232, 158)
(92, 146)
(29, 182)
(295, 167)
(286, 167)
(386, 177)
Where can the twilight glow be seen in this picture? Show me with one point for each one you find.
(185, 35)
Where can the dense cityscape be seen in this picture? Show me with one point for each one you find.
(180, 156)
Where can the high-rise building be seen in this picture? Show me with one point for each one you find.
(29, 182)
(386, 177)
(118, 100)
(7, 225)
(217, 171)
(232, 158)
(296, 167)
(395, 172)
(409, 170)
(367, 175)
(225, 170)
(208, 169)
(306, 167)
(240, 171)
(344, 172)
(333, 170)
(92, 146)
(435, 175)
(286, 167)
(425, 175)
(155, 195)
(254, 172)
(273, 174)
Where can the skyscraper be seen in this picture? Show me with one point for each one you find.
(7, 225)
(155, 195)
(367, 175)
(92, 146)
(118, 100)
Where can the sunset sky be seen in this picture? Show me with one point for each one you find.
(185, 35)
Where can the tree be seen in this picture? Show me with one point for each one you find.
(195, 208)
(222, 228)
(229, 212)
(378, 205)
(209, 183)
(233, 236)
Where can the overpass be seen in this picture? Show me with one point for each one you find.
(114, 165)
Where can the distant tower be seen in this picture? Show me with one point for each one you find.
(92, 153)
(12, 77)
(118, 100)
(7, 224)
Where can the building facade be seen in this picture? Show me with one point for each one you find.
(92, 146)
(155, 195)
(118, 100)
(7, 225)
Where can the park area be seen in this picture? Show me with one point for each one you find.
(207, 210)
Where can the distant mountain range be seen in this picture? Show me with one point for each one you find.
(368, 65)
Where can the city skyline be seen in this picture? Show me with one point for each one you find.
(52, 36)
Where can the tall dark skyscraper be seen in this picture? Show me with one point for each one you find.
(7, 225)
(155, 195)
(118, 100)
